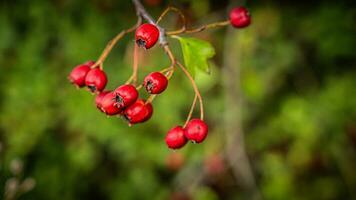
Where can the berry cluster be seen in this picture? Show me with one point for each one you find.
(196, 131)
(124, 101)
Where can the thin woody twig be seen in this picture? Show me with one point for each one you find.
(179, 12)
(191, 111)
(199, 29)
(112, 43)
(196, 90)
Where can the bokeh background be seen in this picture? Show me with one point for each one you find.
(280, 103)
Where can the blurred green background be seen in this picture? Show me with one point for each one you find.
(286, 84)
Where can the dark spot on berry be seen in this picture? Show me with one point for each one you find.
(126, 118)
(141, 43)
(149, 86)
(92, 88)
(119, 100)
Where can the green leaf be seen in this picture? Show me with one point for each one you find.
(196, 54)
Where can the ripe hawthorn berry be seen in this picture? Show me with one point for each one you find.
(99, 98)
(155, 83)
(108, 104)
(147, 35)
(96, 80)
(78, 74)
(240, 17)
(175, 138)
(138, 112)
(125, 95)
(196, 130)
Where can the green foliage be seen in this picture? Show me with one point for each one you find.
(196, 53)
(295, 67)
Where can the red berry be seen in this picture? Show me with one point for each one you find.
(77, 75)
(138, 112)
(108, 104)
(196, 130)
(96, 80)
(240, 17)
(155, 83)
(147, 35)
(175, 138)
(99, 98)
(126, 95)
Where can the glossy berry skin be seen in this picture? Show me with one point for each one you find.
(196, 130)
(126, 95)
(96, 80)
(78, 74)
(108, 105)
(99, 98)
(240, 17)
(147, 35)
(175, 138)
(155, 83)
(138, 112)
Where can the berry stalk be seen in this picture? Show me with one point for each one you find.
(191, 111)
(112, 43)
(200, 29)
(133, 77)
(196, 90)
(176, 10)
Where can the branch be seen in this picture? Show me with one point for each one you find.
(200, 29)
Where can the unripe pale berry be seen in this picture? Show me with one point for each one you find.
(99, 98)
(155, 83)
(78, 74)
(147, 35)
(175, 161)
(138, 112)
(175, 138)
(96, 80)
(196, 130)
(108, 104)
(240, 17)
(126, 95)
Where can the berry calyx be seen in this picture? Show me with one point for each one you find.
(196, 130)
(108, 104)
(96, 80)
(99, 99)
(175, 138)
(240, 17)
(138, 112)
(78, 74)
(125, 95)
(155, 83)
(147, 35)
